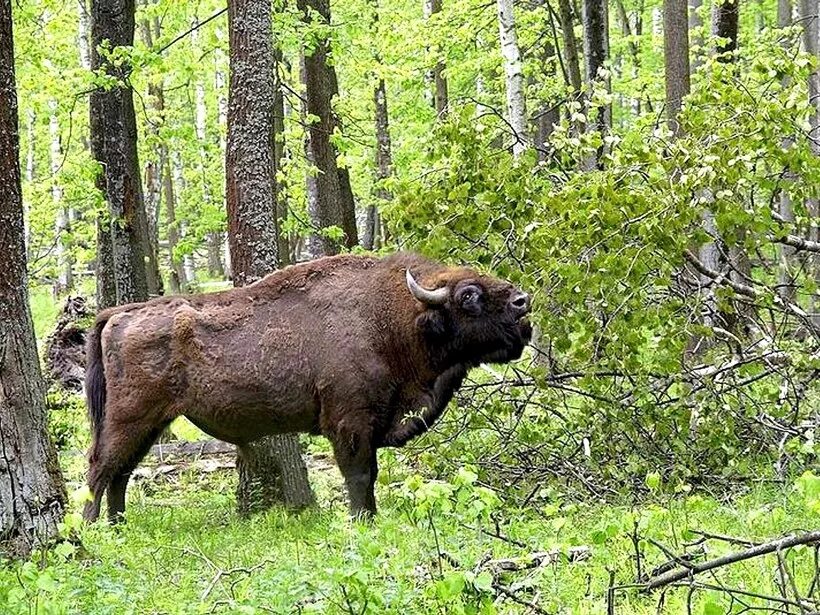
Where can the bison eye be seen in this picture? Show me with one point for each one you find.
(469, 298)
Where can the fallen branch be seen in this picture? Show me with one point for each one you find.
(787, 542)
(195, 450)
(536, 560)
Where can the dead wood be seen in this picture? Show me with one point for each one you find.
(688, 572)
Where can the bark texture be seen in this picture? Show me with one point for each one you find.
(594, 15)
(32, 493)
(514, 76)
(676, 56)
(436, 77)
(114, 146)
(384, 168)
(335, 205)
(272, 469)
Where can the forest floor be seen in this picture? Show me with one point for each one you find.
(432, 549)
(437, 546)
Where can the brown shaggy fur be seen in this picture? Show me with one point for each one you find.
(337, 346)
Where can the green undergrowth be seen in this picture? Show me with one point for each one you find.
(184, 550)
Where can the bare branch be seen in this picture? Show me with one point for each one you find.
(680, 574)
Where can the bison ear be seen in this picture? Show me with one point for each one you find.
(432, 323)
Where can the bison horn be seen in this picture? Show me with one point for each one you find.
(438, 296)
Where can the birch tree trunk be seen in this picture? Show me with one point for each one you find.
(83, 31)
(32, 493)
(810, 14)
(514, 76)
(272, 469)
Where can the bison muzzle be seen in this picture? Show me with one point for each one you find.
(365, 351)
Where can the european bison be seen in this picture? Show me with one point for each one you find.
(351, 347)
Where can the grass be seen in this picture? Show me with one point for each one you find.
(184, 550)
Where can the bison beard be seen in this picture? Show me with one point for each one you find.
(352, 347)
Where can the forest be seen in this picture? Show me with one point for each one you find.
(647, 171)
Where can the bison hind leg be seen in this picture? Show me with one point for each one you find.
(114, 455)
(116, 488)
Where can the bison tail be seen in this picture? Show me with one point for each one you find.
(95, 378)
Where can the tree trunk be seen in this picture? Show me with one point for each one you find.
(62, 225)
(335, 196)
(676, 54)
(114, 146)
(271, 469)
(596, 53)
(278, 159)
(32, 492)
(153, 168)
(724, 26)
(634, 47)
(809, 11)
(514, 76)
(178, 280)
(384, 164)
(573, 64)
(785, 254)
(83, 30)
(695, 34)
(436, 75)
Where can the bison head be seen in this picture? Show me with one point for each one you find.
(469, 318)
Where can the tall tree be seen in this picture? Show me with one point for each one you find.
(279, 156)
(573, 64)
(32, 493)
(335, 205)
(810, 15)
(436, 75)
(384, 156)
(676, 58)
(594, 16)
(786, 282)
(114, 146)
(270, 470)
(514, 76)
(725, 16)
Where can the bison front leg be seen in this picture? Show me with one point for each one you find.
(356, 458)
